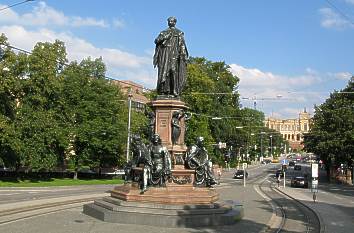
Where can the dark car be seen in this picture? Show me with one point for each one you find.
(299, 182)
(291, 164)
(297, 167)
(266, 161)
(239, 174)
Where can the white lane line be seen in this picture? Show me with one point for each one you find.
(261, 193)
(9, 194)
(340, 198)
(34, 190)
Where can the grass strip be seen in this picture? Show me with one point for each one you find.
(56, 182)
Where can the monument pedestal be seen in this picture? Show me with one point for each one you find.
(178, 190)
(164, 215)
(177, 204)
(164, 109)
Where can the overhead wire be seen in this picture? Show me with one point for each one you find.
(60, 62)
(16, 4)
(340, 12)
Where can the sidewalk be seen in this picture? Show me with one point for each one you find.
(334, 216)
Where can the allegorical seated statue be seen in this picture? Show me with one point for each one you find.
(157, 166)
(139, 151)
(197, 158)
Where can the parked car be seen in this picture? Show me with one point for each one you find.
(297, 167)
(299, 182)
(239, 174)
(266, 161)
(4, 169)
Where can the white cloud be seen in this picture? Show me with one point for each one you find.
(331, 19)
(118, 23)
(271, 92)
(79, 22)
(350, 1)
(120, 64)
(342, 75)
(44, 15)
(252, 77)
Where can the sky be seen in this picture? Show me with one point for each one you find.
(288, 55)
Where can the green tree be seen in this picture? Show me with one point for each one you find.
(39, 129)
(13, 69)
(211, 94)
(96, 116)
(332, 133)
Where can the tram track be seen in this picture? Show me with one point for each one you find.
(289, 214)
(18, 214)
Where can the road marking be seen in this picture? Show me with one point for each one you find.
(35, 190)
(261, 193)
(9, 194)
(337, 197)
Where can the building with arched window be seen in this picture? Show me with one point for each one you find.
(292, 130)
(137, 91)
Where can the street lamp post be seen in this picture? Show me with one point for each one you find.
(129, 116)
(262, 145)
(271, 145)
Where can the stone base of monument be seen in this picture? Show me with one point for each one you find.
(166, 195)
(111, 209)
(178, 189)
(178, 204)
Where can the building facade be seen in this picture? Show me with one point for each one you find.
(292, 130)
(137, 92)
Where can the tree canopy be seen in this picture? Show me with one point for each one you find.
(332, 133)
(212, 95)
(54, 114)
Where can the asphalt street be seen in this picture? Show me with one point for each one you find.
(335, 204)
(257, 215)
(17, 194)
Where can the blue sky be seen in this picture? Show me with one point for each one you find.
(289, 55)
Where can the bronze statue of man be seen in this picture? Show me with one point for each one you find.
(171, 60)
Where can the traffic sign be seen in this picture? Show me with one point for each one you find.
(314, 170)
(285, 162)
(244, 166)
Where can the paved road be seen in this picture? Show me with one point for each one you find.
(15, 194)
(335, 204)
(257, 215)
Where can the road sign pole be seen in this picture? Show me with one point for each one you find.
(284, 180)
(244, 174)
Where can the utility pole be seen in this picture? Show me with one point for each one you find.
(262, 145)
(271, 146)
(129, 116)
